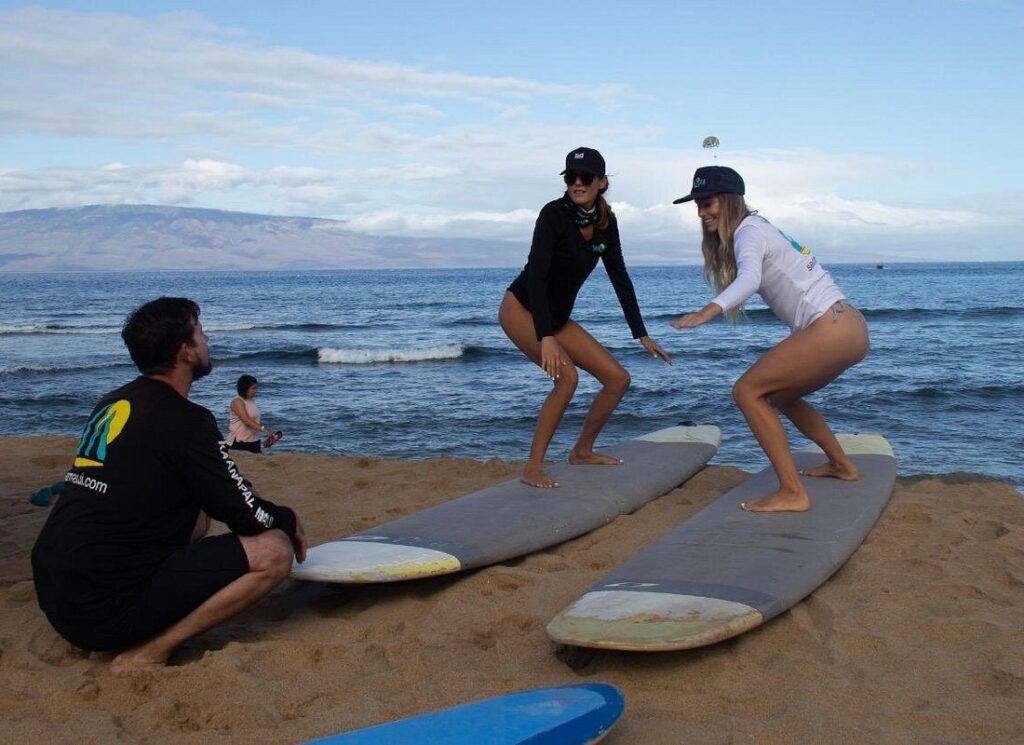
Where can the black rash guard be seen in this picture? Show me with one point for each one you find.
(148, 461)
(560, 262)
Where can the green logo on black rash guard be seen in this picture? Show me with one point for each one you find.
(102, 429)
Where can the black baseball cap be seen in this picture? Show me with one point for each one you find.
(711, 180)
(584, 159)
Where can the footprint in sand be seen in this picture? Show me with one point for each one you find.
(88, 691)
(580, 660)
(985, 530)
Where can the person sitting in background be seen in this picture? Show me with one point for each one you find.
(123, 562)
(244, 426)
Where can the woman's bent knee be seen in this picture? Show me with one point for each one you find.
(568, 378)
(741, 392)
(618, 383)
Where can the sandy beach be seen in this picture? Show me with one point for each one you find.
(919, 638)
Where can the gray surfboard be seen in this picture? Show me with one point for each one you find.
(725, 571)
(513, 519)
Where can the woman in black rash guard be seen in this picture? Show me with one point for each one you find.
(572, 233)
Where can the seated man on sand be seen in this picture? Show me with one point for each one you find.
(123, 563)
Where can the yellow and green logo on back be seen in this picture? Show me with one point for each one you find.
(101, 430)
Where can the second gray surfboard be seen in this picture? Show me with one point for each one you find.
(725, 571)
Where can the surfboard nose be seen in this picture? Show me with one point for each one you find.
(370, 561)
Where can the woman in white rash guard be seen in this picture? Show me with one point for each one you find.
(744, 254)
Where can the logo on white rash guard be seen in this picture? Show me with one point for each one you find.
(806, 251)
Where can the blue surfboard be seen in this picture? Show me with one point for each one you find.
(563, 715)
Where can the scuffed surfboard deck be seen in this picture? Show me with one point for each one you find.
(725, 571)
(512, 519)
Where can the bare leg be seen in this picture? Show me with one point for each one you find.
(517, 324)
(590, 354)
(800, 364)
(551, 413)
(270, 556)
(813, 426)
(764, 423)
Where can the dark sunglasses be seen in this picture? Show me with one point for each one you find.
(585, 177)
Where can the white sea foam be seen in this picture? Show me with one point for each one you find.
(22, 369)
(63, 331)
(41, 328)
(236, 327)
(369, 356)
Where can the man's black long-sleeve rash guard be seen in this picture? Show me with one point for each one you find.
(148, 461)
(560, 262)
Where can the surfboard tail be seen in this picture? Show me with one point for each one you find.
(650, 621)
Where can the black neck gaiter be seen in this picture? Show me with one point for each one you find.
(580, 216)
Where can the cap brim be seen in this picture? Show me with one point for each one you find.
(687, 198)
(585, 170)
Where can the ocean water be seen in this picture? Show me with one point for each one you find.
(412, 363)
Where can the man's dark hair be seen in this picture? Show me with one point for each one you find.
(154, 333)
(244, 383)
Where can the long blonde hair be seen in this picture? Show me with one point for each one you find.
(717, 247)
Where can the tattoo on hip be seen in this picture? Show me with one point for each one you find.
(837, 308)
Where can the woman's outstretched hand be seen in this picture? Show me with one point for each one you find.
(552, 356)
(689, 321)
(655, 349)
(702, 316)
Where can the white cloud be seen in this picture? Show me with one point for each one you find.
(512, 225)
(175, 73)
(418, 111)
(513, 112)
(181, 111)
(800, 192)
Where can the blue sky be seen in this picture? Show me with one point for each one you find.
(869, 130)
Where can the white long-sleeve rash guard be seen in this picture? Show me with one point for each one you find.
(784, 273)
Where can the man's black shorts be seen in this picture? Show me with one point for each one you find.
(180, 584)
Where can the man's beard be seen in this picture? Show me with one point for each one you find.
(201, 368)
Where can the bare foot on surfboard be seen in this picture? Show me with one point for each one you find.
(536, 477)
(592, 459)
(833, 470)
(779, 502)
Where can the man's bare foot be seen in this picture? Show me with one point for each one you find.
(133, 661)
(833, 470)
(779, 502)
(592, 459)
(537, 477)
